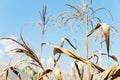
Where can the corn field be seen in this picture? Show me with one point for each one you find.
(81, 68)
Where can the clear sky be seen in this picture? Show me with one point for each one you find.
(23, 16)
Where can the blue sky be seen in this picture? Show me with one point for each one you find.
(23, 16)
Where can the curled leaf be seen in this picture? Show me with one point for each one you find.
(25, 49)
(80, 69)
(106, 32)
(45, 73)
(74, 56)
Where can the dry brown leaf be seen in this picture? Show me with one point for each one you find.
(7, 74)
(74, 56)
(80, 69)
(16, 72)
(25, 49)
(109, 73)
(61, 50)
(31, 55)
(93, 30)
(45, 73)
(6, 69)
(114, 58)
(106, 31)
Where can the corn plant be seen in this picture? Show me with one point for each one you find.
(81, 68)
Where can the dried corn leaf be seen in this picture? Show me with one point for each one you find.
(31, 55)
(93, 56)
(114, 58)
(45, 73)
(93, 30)
(7, 74)
(25, 49)
(73, 73)
(106, 31)
(16, 72)
(70, 44)
(109, 73)
(74, 56)
(61, 45)
(6, 69)
(80, 69)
